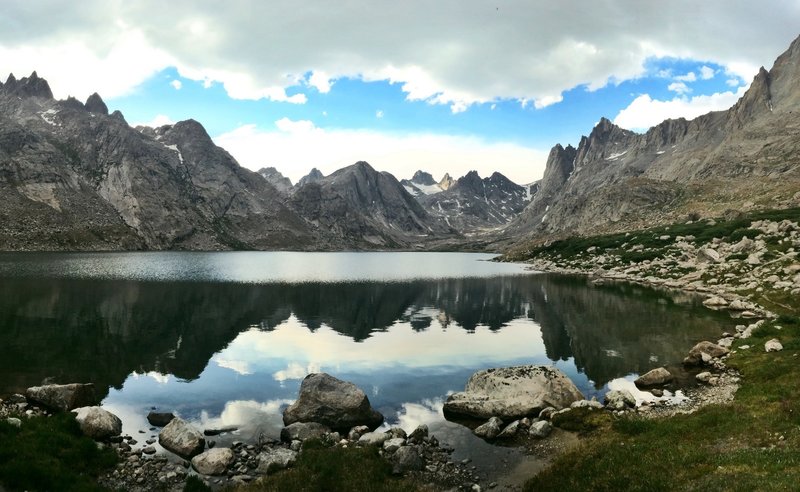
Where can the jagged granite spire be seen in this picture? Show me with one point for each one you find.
(96, 105)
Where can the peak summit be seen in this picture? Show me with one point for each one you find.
(96, 105)
(31, 86)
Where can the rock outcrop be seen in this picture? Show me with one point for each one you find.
(617, 180)
(334, 403)
(63, 397)
(214, 461)
(513, 392)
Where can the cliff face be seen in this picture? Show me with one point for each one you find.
(73, 177)
(617, 179)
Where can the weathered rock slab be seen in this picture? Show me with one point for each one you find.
(332, 402)
(64, 397)
(513, 392)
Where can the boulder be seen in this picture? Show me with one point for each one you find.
(374, 438)
(97, 422)
(540, 429)
(510, 430)
(64, 397)
(303, 431)
(703, 377)
(654, 377)
(490, 429)
(419, 434)
(773, 345)
(181, 438)
(275, 459)
(329, 401)
(708, 255)
(513, 392)
(711, 350)
(407, 458)
(620, 400)
(587, 404)
(214, 461)
(160, 419)
(392, 445)
(715, 301)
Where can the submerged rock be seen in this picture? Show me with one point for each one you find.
(97, 422)
(329, 401)
(160, 419)
(513, 392)
(64, 397)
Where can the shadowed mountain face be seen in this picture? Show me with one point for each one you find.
(102, 331)
(366, 208)
(618, 180)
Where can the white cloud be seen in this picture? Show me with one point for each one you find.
(379, 114)
(679, 87)
(463, 53)
(157, 121)
(645, 111)
(706, 72)
(176, 84)
(733, 82)
(297, 146)
(689, 77)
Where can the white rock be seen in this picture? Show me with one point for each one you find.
(703, 377)
(773, 345)
(374, 438)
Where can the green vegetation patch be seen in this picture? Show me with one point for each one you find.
(333, 469)
(750, 444)
(50, 453)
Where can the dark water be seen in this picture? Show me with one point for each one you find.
(225, 338)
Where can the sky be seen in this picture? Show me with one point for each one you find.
(444, 86)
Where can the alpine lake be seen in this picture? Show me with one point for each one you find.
(224, 339)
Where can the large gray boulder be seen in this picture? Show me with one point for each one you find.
(181, 438)
(654, 377)
(407, 458)
(329, 401)
(513, 392)
(97, 422)
(214, 461)
(64, 397)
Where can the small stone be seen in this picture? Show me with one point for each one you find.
(703, 377)
(490, 429)
(546, 413)
(419, 434)
(510, 430)
(149, 450)
(392, 445)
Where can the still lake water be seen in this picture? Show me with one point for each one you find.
(224, 339)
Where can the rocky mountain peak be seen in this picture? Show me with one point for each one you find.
(278, 180)
(191, 130)
(31, 86)
(470, 181)
(96, 105)
(421, 177)
(312, 177)
(446, 182)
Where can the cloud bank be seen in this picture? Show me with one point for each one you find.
(297, 146)
(451, 52)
